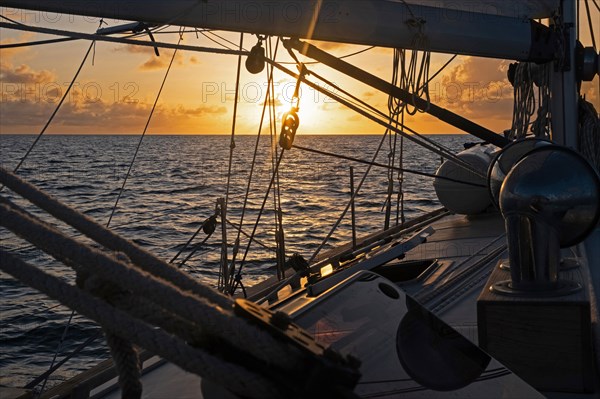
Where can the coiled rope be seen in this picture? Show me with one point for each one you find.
(589, 133)
(524, 101)
(525, 75)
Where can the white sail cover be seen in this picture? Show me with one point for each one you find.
(484, 28)
(505, 8)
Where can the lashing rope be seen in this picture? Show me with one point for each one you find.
(193, 331)
(110, 239)
(523, 78)
(214, 320)
(163, 344)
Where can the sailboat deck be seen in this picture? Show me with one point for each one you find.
(467, 250)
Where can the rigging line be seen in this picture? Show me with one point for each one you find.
(214, 41)
(101, 38)
(194, 250)
(596, 4)
(450, 154)
(438, 71)
(224, 263)
(170, 32)
(51, 370)
(430, 144)
(266, 197)
(188, 241)
(589, 16)
(11, 20)
(60, 103)
(36, 43)
(142, 137)
(408, 8)
(577, 22)
(425, 143)
(341, 57)
(35, 313)
(221, 37)
(277, 212)
(398, 392)
(235, 106)
(52, 41)
(114, 227)
(58, 349)
(486, 373)
(400, 217)
(260, 243)
(252, 166)
(393, 117)
(354, 194)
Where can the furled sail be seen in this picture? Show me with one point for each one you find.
(494, 29)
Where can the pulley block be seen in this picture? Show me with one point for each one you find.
(289, 125)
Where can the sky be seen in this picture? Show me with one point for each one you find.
(118, 86)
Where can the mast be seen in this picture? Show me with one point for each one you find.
(378, 23)
(565, 95)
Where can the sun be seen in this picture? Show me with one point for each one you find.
(311, 105)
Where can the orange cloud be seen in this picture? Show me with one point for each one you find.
(9, 73)
(78, 114)
(160, 62)
(24, 74)
(476, 88)
(10, 52)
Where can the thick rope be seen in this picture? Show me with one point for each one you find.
(114, 227)
(173, 349)
(123, 355)
(217, 321)
(144, 309)
(110, 240)
(126, 359)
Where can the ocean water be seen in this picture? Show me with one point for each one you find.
(173, 187)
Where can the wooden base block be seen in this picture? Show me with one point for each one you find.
(547, 341)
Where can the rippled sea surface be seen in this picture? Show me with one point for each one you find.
(173, 187)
